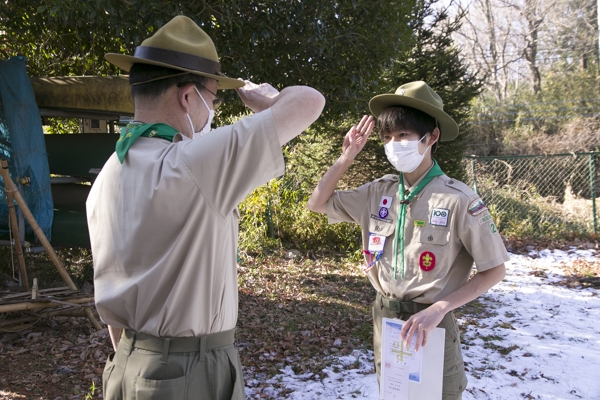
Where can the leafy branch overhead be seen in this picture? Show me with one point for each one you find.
(340, 48)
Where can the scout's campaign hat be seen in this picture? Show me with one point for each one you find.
(180, 44)
(420, 96)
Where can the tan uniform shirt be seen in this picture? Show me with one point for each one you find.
(448, 228)
(164, 226)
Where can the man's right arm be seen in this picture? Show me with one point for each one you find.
(353, 143)
(293, 109)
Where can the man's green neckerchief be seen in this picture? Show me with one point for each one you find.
(404, 200)
(133, 131)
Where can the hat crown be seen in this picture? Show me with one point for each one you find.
(183, 35)
(420, 90)
(420, 96)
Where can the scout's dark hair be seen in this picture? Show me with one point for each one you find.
(151, 80)
(402, 117)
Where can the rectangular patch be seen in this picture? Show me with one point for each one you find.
(419, 222)
(389, 221)
(376, 242)
(485, 219)
(439, 217)
(386, 201)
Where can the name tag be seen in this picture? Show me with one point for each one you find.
(376, 242)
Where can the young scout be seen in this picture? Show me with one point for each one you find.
(422, 231)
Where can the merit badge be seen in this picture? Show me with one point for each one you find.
(477, 207)
(383, 212)
(427, 261)
(386, 201)
(439, 216)
(376, 242)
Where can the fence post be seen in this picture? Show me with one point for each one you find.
(593, 188)
(270, 220)
(473, 172)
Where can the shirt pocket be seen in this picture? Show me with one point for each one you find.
(429, 235)
(382, 228)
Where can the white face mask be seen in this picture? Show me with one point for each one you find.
(206, 128)
(405, 156)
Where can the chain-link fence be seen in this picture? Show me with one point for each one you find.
(541, 196)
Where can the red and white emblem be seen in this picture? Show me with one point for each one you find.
(427, 261)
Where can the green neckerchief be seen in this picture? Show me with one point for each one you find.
(133, 131)
(404, 200)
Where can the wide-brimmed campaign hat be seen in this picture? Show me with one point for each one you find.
(182, 45)
(420, 96)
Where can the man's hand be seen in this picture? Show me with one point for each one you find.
(356, 138)
(257, 97)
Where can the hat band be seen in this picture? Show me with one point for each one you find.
(178, 59)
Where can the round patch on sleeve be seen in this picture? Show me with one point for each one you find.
(427, 261)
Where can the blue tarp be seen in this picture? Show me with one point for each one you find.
(22, 143)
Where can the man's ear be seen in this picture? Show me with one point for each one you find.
(183, 96)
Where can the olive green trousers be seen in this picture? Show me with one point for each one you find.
(455, 378)
(147, 367)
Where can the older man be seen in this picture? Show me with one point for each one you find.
(163, 216)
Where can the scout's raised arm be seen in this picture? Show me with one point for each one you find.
(353, 143)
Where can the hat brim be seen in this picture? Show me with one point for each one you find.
(448, 128)
(125, 62)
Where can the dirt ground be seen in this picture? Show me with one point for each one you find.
(58, 358)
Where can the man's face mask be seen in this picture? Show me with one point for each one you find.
(206, 128)
(405, 156)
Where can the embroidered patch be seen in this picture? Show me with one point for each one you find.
(375, 217)
(485, 219)
(427, 261)
(439, 217)
(477, 207)
(383, 212)
(419, 222)
(386, 201)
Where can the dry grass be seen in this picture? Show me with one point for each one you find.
(580, 135)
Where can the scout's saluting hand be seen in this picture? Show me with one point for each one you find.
(355, 140)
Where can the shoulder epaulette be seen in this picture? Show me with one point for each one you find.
(458, 185)
(387, 177)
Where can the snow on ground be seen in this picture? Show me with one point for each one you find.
(538, 340)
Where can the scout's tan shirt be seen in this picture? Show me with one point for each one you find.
(439, 248)
(164, 226)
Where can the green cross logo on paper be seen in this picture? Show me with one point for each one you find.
(401, 353)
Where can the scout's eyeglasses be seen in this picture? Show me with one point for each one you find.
(217, 101)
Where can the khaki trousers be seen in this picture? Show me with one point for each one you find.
(146, 367)
(455, 378)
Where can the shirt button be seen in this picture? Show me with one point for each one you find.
(430, 238)
(451, 182)
(377, 228)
